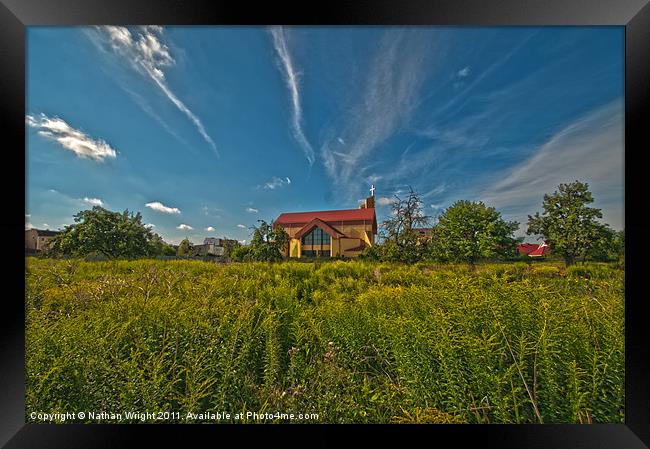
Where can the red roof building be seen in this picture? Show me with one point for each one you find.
(533, 249)
(329, 233)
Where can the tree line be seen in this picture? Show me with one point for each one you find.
(467, 231)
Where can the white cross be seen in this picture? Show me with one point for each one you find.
(372, 190)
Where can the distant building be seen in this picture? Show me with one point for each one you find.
(211, 246)
(330, 233)
(533, 249)
(37, 240)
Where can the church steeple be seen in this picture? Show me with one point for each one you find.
(369, 203)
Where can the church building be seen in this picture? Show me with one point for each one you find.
(330, 233)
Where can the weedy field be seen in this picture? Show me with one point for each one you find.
(352, 341)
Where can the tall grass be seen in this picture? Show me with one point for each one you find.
(351, 341)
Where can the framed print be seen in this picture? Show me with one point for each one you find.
(415, 220)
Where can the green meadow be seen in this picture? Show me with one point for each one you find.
(353, 342)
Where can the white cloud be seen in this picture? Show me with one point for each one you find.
(159, 207)
(45, 225)
(27, 215)
(463, 72)
(52, 190)
(385, 201)
(241, 226)
(276, 182)
(93, 201)
(82, 145)
(144, 50)
(209, 229)
(251, 210)
(386, 103)
(149, 225)
(291, 77)
(184, 226)
(243, 242)
(28, 226)
(589, 150)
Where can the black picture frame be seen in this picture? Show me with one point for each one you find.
(16, 15)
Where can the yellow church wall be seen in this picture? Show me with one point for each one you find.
(294, 248)
(355, 234)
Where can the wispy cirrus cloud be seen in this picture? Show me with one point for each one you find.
(144, 50)
(276, 182)
(389, 97)
(590, 149)
(292, 79)
(80, 143)
(241, 226)
(252, 210)
(160, 207)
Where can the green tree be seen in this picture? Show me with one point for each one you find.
(568, 225)
(183, 248)
(100, 231)
(240, 253)
(267, 243)
(609, 245)
(468, 231)
(400, 240)
(161, 248)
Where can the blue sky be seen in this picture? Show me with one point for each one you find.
(205, 130)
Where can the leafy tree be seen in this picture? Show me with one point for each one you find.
(183, 248)
(568, 225)
(609, 245)
(240, 253)
(400, 240)
(468, 231)
(160, 248)
(267, 243)
(100, 231)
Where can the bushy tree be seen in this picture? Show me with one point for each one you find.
(568, 225)
(267, 243)
(183, 248)
(100, 231)
(468, 231)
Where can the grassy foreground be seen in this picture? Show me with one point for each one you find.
(350, 341)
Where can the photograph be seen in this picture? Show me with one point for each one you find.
(325, 224)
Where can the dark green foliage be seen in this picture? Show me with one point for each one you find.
(569, 226)
(267, 243)
(469, 231)
(111, 234)
(352, 341)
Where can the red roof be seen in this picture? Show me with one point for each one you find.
(540, 251)
(328, 216)
(527, 248)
